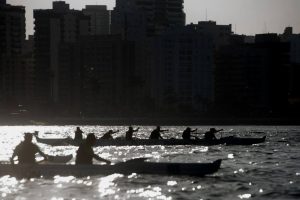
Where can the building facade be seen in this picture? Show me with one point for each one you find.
(146, 17)
(182, 74)
(252, 79)
(99, 19)
(12, 38)
(54, 27)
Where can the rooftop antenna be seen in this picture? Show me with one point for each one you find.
(206, 14)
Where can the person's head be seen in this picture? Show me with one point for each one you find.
(130, 128)
(91, 139)
(27, 137)
(78, 129)
(158, 127)
(188, 128)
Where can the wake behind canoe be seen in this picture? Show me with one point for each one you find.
(185, 169)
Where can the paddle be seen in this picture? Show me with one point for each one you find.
(134, 160)
(51, 159)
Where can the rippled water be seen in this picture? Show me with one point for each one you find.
(266, 171)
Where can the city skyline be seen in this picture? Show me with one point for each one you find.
(270, 15)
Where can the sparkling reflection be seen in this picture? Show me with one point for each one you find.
(154, 192)
(107, 186)
(230, 156)
(244, 196)
(171, 183)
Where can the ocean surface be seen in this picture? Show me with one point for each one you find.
(265, 171)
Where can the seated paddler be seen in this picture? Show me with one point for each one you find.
(155, 134)
(210, 135)
(85, 153)
(108, 135)
(26, 151)
(78, 134)
(187, 134)
(129, 133)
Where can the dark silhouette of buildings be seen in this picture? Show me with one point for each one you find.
(99, 19)
(140, 18)
(142, 60)
(12, 70)
(294, 70)
(53, 28)
(182, 74)
(251, 79)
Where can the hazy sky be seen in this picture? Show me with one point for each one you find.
(246, 16)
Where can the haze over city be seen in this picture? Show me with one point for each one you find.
(246, 17)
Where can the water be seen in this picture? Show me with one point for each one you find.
(266, 171)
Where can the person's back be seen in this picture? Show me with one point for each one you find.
(155, 134)
(26, 152)
(129, 134)
(210, 135)
(78, 134)
(186, 135)
(84, 154)
(107, 136)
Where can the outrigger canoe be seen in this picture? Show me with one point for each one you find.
(133, 166)
(139, 142)
(51, 159)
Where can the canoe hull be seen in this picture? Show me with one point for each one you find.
(142, 142)
(185, 169)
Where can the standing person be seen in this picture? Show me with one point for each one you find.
(210, 135)
(26, 150)
(130, 132)
(85, 152)
(78, 134)
(186, 134)
(108, 135)
(155, 134)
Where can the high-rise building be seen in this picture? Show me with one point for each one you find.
(149, 16)
(54, 27)
(12, 37)
(99, 19)
(12, 29)
(182, 71)
(219, 33)
(294, 71)
(102, 87)
(252, 79)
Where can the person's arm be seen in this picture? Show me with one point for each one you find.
(115, 131)
(194, 130)
(101, 159)
(15, 153)
(12, 158)
(41, 153)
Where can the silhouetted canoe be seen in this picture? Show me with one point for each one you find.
(138, 142)
(51, 160)
(133, 166)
